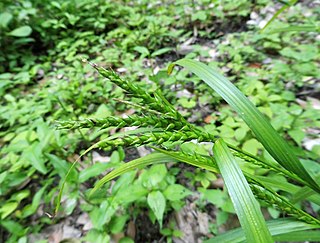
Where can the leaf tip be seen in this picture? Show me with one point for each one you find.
(170, 68)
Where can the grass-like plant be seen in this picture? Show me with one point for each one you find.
(161, 126)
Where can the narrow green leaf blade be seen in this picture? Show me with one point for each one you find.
(299, 28)
(300, 236)
(191, 161)
(96, 145)
(299, 193)
(245, 205)
(153, 158)
(305, 192)
(276, 227)
(257, 122)
(284, 7)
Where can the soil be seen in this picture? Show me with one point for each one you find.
(146, 231)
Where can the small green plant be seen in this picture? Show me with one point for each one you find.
(164, 129)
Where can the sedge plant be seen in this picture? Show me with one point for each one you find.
(163, 128)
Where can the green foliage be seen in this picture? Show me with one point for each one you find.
(43, 80)
(277, 227)
(246, 206)
(255, 121)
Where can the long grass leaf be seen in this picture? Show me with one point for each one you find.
(267, 194)
(257, 122)
(299, 236)
(96, 145)
(298, 193)
(300, 28)
(153, 158)
(305, 192)
(188, 159)
(246, 206)
(284, 7)
(276, 227)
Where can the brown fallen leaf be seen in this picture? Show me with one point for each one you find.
(208, 119)
(131, 229)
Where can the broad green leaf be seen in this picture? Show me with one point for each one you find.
(215, 196)
(33, 155)
(126, 240)
(3, 176)
(199, 15)
(102, 111)
(97, 236)
(7, 209)
(252, 146)
(303, 53)
(32, 208)
(257, 122)
(156, 174)
(245, 205)
(61, 166)
(161, 51)
(130, 194)
(157, 203)
(273, 213)
(222, 217)
(276, 227)
(240, 133)
(70, 204)
(45, 134)
(5, 18)
(117, 223)
(153, 158)
(124, 181)
(19, 196)
(176, 192)
(22, 31)
(142, 50)
(102, 214)
(14, 227)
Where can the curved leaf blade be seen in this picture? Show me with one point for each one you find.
(299, 28)
(299, 236)
(257, 122)
(96, 145)
(276, 227)
(245, 205)
(284, 7)
(153, 158)
(191, 161)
